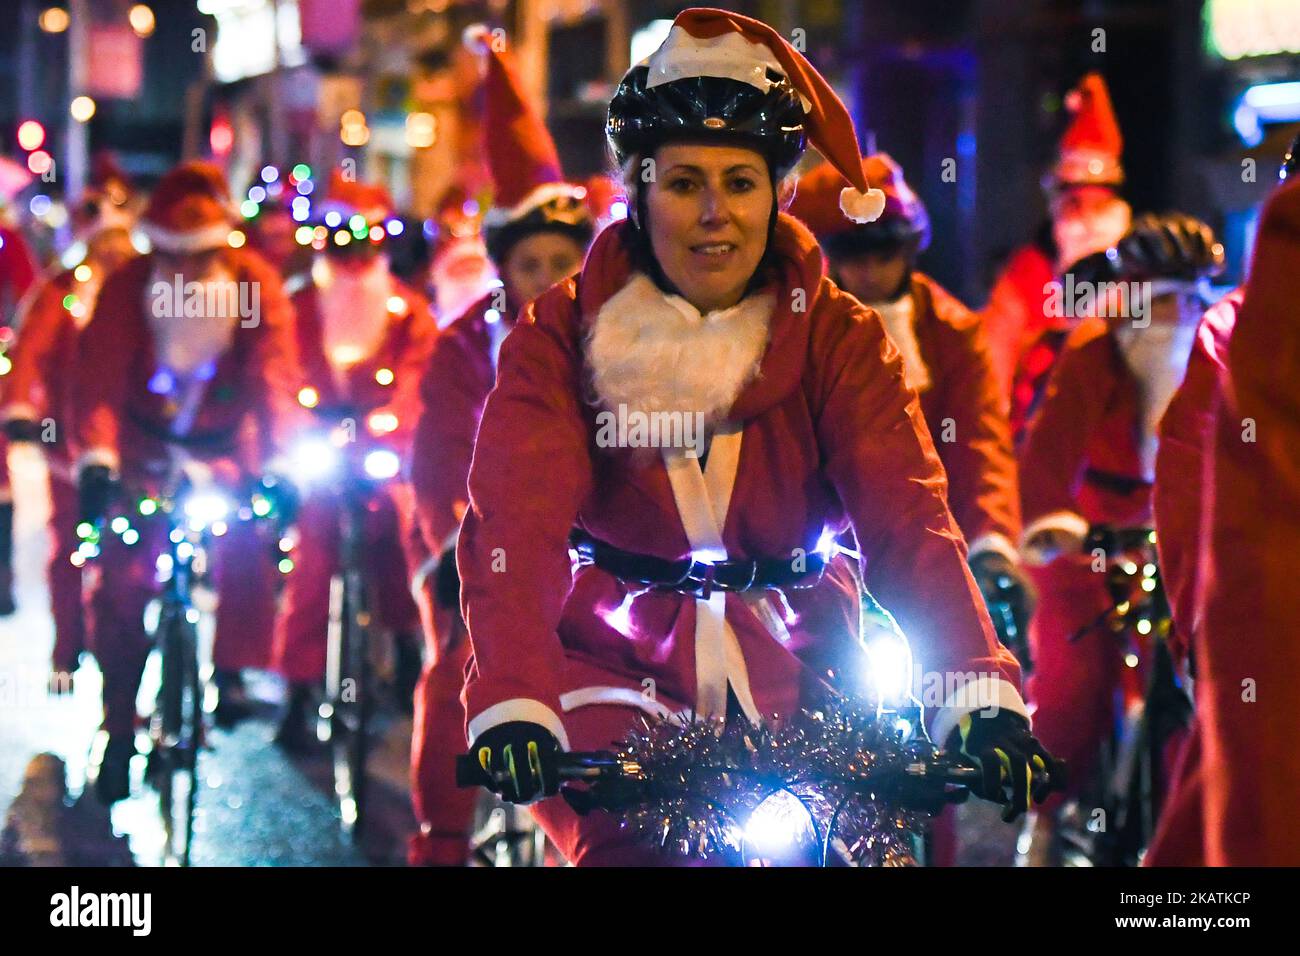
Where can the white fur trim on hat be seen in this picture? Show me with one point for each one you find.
(212, 236)
(497, 216)
(862, 206)
(730, 56)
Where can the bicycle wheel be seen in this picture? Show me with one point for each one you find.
(177, 735)
(348, 680)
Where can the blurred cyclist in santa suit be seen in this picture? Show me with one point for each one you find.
(364, 337)
(38, 388)
(17, 274)
(1024, 332)
(154, 389)
(537, 233)
(1089, 459)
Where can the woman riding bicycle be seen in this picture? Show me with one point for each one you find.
(709, 306)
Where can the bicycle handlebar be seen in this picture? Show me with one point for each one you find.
(927, 778)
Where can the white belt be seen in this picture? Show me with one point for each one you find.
(702, 498)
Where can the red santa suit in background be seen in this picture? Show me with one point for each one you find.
(531, 199)
(1087, 216)
(1179, 500)
(364, 338)
(17, 273)
(1247, 658)
(945, 358)
(1090, 459)
(38, 390)
(153, 387)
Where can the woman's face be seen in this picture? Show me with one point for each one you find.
(709, 208)
(537, 262)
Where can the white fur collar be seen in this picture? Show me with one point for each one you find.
(655, 352)
(899, 319)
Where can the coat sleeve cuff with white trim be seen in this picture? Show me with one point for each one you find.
(99, 456)
(518, 708)
(1068, 522)
(985, 692)
(995, 542)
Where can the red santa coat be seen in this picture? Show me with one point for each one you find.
(983, 490)
(39, 386)
(40, 383)
(1015, 317)
(827, 434)
(1080, 466)
(17, 270)
(460, 372)
(455, 384)
(1180, 501)
(245, 413)
(1248, 659)
(387, 379)
(249, 407)
(1185, 433)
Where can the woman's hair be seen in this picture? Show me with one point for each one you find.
(641, 249)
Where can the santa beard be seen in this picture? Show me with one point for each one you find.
(653, 352)
(1157, 355)
(353, 310)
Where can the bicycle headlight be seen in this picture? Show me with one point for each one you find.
(313, 459)
(889, 669)
(206, 507)
(382, 463)
(780, 822)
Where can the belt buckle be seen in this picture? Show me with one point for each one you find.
(704, 582)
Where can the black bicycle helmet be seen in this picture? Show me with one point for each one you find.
(1158, 246)
(771, 121)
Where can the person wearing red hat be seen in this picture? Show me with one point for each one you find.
(364, 337)
(945, 359)
(188, 363)
(38, 388)
(1025, 332)
(537, 232)
(1089, 459)
(710, 304)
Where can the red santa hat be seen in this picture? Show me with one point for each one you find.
(189, 210)
(1091, 146)
(817, 199)
(349, 197)
(521, 154)
(708, 42)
